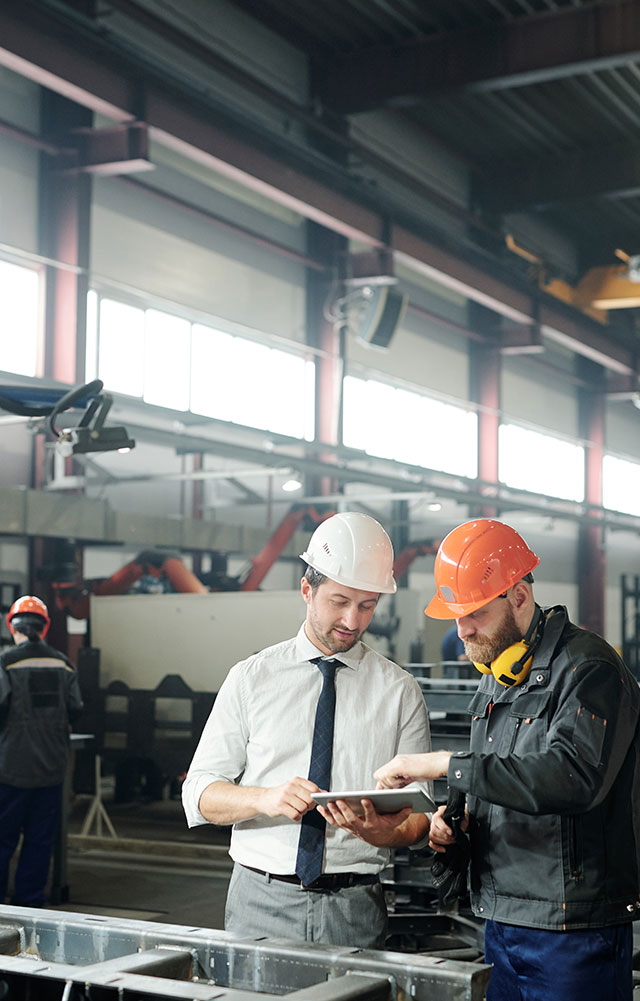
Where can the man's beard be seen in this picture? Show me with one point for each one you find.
(483, 649)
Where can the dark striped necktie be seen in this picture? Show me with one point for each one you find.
(312, 827)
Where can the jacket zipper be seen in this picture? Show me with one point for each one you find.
(574, 854)
(514, 735)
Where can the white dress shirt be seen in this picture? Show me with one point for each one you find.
(260, 730)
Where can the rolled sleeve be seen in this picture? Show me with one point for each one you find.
(221, 752)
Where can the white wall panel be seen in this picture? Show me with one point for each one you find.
(623, 430)
(228, 278)
(19, 104)
(536, 395)
(414, 357)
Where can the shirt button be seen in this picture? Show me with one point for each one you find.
(457, 774)
(481, 909)
(630, 908)
(490, 740)
(539, 677)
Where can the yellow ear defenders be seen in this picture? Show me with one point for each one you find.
(512, 666)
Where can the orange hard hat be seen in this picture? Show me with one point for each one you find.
(28, 604)
(475, 563)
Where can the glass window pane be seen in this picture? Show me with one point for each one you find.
(286, 396)
(532, 460)
(91, 352)
(355, 405)
(254, 376)
(167, 360)
(121, 347)
(409, 427)
(214, 391)
(309, 400)
(621, 485)
(19, 290)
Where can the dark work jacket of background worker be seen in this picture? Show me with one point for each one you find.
(39, 698)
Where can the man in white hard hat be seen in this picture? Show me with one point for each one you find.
(304, 872)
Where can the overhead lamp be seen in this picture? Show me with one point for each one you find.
(292, 484)
(90, 435)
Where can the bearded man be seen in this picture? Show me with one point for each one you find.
(551, 778)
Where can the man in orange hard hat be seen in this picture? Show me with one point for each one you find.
(39, 698)
(552, 778)
(319, 711)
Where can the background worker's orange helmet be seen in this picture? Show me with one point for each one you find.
(28, 604)
(475, 563)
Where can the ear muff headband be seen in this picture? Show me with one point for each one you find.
(512, 666)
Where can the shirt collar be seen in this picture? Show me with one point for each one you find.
(305, 650)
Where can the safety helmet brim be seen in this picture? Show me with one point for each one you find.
(377, 587)
(439, 609)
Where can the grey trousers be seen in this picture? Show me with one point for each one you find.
(258, 907)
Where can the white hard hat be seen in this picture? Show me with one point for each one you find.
(353, 549)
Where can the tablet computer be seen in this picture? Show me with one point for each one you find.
(384, 800)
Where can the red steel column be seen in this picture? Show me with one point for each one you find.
(65, 206)
(324, 245)
(484, 389)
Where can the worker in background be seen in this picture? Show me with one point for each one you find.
(320, 711)
(39, 698)
(551, 778)
(452, 650)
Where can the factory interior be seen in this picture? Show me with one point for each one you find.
(263, 262)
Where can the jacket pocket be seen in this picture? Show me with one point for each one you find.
(479, 707)
(588, 735)
(530, 705)
(526, 711)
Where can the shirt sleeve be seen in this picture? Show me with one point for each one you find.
(221, 752)
(415, 735)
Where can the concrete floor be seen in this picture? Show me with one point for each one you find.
(156, 870)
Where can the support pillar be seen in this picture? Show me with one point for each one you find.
(64, 214)
(591, 564)
(322, 244)
(484, 390)
(65, 206)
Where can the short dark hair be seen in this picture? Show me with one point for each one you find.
(29, 624)
(314, 577)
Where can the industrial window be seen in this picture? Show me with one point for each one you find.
(19, 295)
(120, 347)
(170, 362)
(167, 349)
(621, 484)
(396, 423)
(235, 379)
(541, 463)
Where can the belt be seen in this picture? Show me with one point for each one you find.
(329, 883)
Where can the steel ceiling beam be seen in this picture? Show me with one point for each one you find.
(512, 53)
(574, 177)
(37, 45)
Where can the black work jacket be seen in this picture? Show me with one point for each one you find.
(39, 698)
(553, 784)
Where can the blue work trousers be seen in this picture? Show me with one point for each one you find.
(592, 964)
(34, 813)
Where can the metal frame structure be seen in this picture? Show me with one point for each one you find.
(47, 955)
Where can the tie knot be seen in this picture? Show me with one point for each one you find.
(326, 667)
